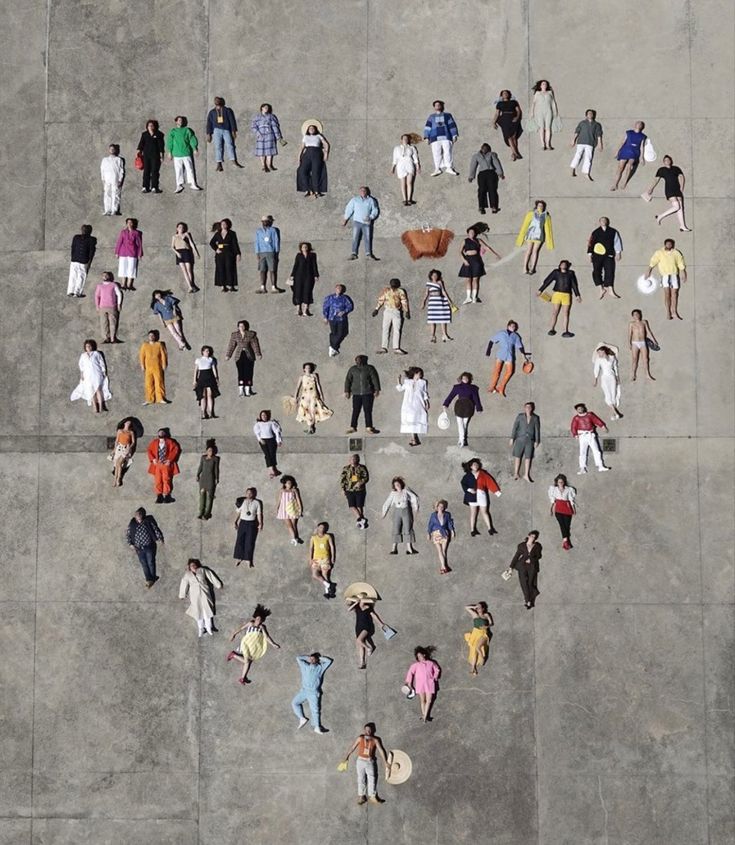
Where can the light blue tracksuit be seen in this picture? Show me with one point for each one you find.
(311, 687)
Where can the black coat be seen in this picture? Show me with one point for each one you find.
(522, 555)
(151, 145)
(305, 271)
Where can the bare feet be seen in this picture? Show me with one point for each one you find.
(616, 295)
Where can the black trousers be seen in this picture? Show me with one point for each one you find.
(151, 170)
(565, 524)
(528, 575)
(269, 448)
(364, 403)
(487, 189)
(244, 372)
(338, 331)
(603, 270)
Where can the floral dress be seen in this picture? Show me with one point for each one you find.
(311, 408)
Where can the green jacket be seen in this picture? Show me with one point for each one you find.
(181, 141)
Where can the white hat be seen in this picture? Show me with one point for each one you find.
(646, 284)
(312, 121)
(400, 767)
(361, 590)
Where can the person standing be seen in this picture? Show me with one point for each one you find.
(304, 275)
(486, 165)
(506, 343)
(544, 111)
(405, 504)
(143, 536)
(129, 251)
(267, 248)
(406, 166)
(438, 306)
(673, 270)
(640, 340)
(253, 643)
(473, 267)
(206, 382)
(312, 668)
(565, 285)
(584, 427)
(535, 231)
(587, 138)
(248, 523)
(222, 129)
(335, 310)
(184, 248)
(182, 145)
(83, 248)
(152, 149)
(368, 745)
(605, 368)
(508, 116)
(311, 174)
(198, 585)
(353, 480)
(478, 639)
(477, 485)
(630, 155)
(163, 464)
(94, 385)
(526, 563)
(112, 171)
(322, 557)
(244, 344)
(440, 133)
(207, 479)
(153, 359)
(267, 131)
(563, 507)
(363, 210)
(290, 508)
(269, 435)
(362, 385)
(422, 677)
(226, 255)
(108, 300)
(309, 399)
(440, 531)
(604, 249)
(525, 438)
(394, 302)
(468, 401)
(123, 450)
(415, 406)
(674, 182)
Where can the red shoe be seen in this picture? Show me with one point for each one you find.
(566, 545)
(231, 655)
(243, 681)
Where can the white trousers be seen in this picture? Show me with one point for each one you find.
(441, 149)
(111, 197)
(583, 155)
(77, 278)
(392, 322)
(367, 776)
(184, 165)
(204, 625)
(462, 424)
(588, 440)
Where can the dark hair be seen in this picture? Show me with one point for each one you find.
(306, 244)
(315, 654)
(441, 103)
(438, 273)
(561, 477)
(636, 311)
(86, 229)
(193, 560)
(262, 611)
(395, 283)
(667, 156)
(340, 285)
(580, 405)
(155, 333)
(243, 323)
(505, 91)
(468, 375)
(670, 241)
(181, 223)
(91, 342)
(485, 146)
(115, 148)
(482, 605)
(605, 349)
(411, 372)
(539, 202)
(154, 122)
(219, 101)
(211, 444)
(512, 323)
(263, 105)
(537, 86)
(370, 725)
(141, 512)
(365, 188)
(467, 465)
(218, 225)
(133, 220)
(184, 121)
(361, 360)
(594, 113)
(426, 650)
(108, 276)
(163, 293)
(211, 351)
(310, 364)
(325, 524)
(532, 404)
(265, 411)
(285, 478)
(535, 533)
(398, 480)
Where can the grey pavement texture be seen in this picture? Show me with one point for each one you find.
(605, 716)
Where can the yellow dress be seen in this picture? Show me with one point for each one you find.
(253, 645)
(311, 409)
(478, 643)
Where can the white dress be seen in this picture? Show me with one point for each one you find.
(414, 416)
(198, 587)
(606, 369)
(405, 160)
(93, 377)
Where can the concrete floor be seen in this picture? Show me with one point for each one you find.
(605, 716)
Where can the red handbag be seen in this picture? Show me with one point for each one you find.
(139, 160)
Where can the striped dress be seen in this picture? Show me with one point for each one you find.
(267, 132)
(438, 309)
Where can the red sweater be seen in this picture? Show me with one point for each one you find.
(586, 422)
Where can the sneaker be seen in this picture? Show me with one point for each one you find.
(294, 541)
(362, 799)
(241, 391)
(145, 190)
(371, 430)
(376, 799)
(331, 352)
(436, 173)
(551, 332)
(196, 188)
(302, 721)
(467, 300)
(353, 257)
(179, 189)
(146, 403)
(156, 191)
(603, 469)
(159, 499)
(320, 730)
(452, 171)
(581, 472)
(350, 431)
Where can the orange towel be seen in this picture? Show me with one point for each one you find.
(431, 243)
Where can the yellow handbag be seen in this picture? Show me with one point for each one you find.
(342, 766)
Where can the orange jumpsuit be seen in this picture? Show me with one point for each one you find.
(163, 473)
(154, 360)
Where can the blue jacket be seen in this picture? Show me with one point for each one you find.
(228, 121)
(333, 304)
(312, 673)
(362, 209)
(435, 525)
(268, 239)
(440, 126)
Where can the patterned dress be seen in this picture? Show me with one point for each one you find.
(311, 408)
(267, 131)
(438, 309)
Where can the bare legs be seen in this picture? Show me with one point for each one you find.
(545, 136)
(486, 518)
(626, 168)
(178, 334)
(531, 257)
(441, 551)
(635, 355)
(246, 664)
(365, 647)
(473, 291)
(207, 404)
(292, 526)
(514, 154)
(98, 401)
(445, 333)
(677, 208)
(426, 699)
(526, 466)
(266, 162)
(671, 303)
(188, 273)
(407, 189)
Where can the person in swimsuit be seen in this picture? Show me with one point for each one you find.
(363, 607)
(368, 746)
(322, 557)
(630, 155)
(640, 337)
(478, 639)
(254, 642)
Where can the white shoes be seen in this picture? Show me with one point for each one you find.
(467, 300)
(452, 171)
(582, 472)
(333, 352)
(603, 469)
(302, 721)
(436, 173)
(294, 542)
(319, 730)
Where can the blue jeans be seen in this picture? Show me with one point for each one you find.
(147, 558)
(360, 231)
(222, 138)
(313, 697)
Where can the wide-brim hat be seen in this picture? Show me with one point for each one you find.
(646, 284)
(312, 121)
(362, 590)
(400, 767)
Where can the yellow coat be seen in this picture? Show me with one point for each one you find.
(153, 356)
(548, 233)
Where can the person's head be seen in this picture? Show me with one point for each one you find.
(260, 614)
(485, 149)
(364, 191)
(304, 247)
(539, 205)
(314, 658)
(369, 729)
(435, 275)
(471, 232)
(529, 407)
(127, 425)
(131, 222)
(114, 149)
(636, 314)
(423, 652)
(266, 220)
(533, 536)
(339, 289)
(512, 326)
(264, 416)
(90, 345)
(561, 479)
(441, 505)
(107, 276)
(225, 224)
(667, 161)
(309, 367)
(405, 139)
(669, 243)
(465, 377)
(361, 360)
(354, 460)
(414, 372)
(243, 325)
(312, 129)
(250, 492)
(86, 229)
(152, 126)
(288, 482)
(162, 433)
(219, 102)
(605, 352)
(322, 528)
(266, 108)
(153, 335)
(604, 222)
(564, 265)
(505, 94)
(395, 283)
(542, 85)
(158, 295)
(590, 114)
(181, 228)
(207, 351)
(140, 515)
(193, 564)
(398, 483)
(481, 606)
(639, 126)
(210, 448)
(473, 465)
(438, 106)
(580, 408)
(180, 120)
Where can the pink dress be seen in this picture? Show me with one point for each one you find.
(423, 675)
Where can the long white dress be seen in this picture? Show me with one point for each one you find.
(414, 416)
(93, 372)
(606, 369)
(198, 587)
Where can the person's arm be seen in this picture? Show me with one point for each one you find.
(423, 302)
(574, 138)
(474, 163)
(349, 211)
(381, 751)
(332, 550)
(630, 335)
(200, 468)
(349, 307)
(410, 675)
(386, 505)
(496, 117)
(547, 281)
(353, 747)
(575, 285)
(452, 128)
(488, 247)
(269, 638)
(325, 147)
(682, 181)
(596, 371)
(237, 631)
(599, 139)
(311, 548)
(682, 269)
(653, 185)
(452, 393)
(649, 331)
(260, 514)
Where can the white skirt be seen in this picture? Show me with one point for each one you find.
(127, 267)
(405, 167)
(481, 498)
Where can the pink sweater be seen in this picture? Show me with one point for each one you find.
(129, 244)
(107, 295)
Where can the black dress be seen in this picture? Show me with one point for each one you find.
(364, 621)
(506, 121)
(226, 249)
(477, 265)
(305, 272)
(670, 175)
(206, 379)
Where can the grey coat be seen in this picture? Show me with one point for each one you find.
(525, 430)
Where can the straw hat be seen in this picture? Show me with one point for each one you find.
(646, 284)
(400, 768)
(312, 121)
(362, 590)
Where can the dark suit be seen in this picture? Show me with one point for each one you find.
(527, 565)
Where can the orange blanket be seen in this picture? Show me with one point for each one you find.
(427, 244)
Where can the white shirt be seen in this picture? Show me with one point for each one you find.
(405, 151)
(568, 494)
(112, 169)
(266, 430)
(401, 499)
(249, 510)
(313, 140)
(204, 363)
